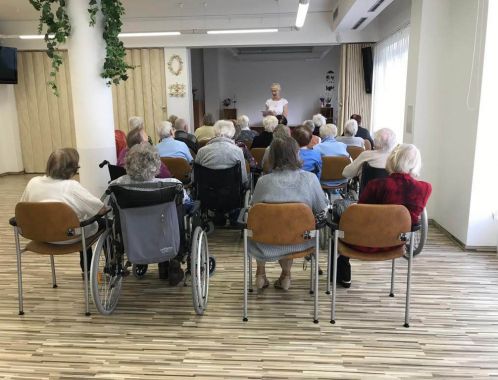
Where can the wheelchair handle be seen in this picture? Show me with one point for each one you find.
(103, 163)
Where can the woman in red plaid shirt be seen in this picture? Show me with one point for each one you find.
(400, 187)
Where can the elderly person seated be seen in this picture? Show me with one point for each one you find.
(401, 187)
(311, 127)
(168, 146)
(350, 129)
(265, 138)
(362, 132)
(241, 144)
(384, 142)
(281, 131)
(182, 134)
(318, 121)
(286, 183)
(206, 132)
(139, 136)
(312, 160)
(246, 134)
(142, 165)
(58, 185)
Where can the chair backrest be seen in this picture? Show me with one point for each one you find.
(376, 226)
(146, 194)
(115, 171)
(369, 172)
(178, 167)
(46, 221)
(368, 145)
(280, 223)
(218, 189)
(332, 167)
(258, 154)
(354, 151)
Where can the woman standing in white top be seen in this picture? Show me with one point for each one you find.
(277, 106)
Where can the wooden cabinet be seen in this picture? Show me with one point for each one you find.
(328, 113)
(230, 113)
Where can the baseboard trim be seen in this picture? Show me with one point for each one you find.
(11, 173)
(460, 243)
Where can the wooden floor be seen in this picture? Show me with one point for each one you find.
(155, 333)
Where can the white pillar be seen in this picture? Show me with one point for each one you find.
(92, 99)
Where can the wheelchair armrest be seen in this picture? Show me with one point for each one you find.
(416, 227)
(242, 219)
(94, 218)
(13, 222)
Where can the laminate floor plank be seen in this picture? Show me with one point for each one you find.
(155, 333)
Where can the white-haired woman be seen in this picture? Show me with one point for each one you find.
(384, 143)
(276, 105)
(401, 188)
(329, 145)
(168, 146)
(319, 121)
(246, 134)
(142, 165)
(350, 129)
(266, 137)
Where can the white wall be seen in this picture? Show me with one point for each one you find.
(10, 145)
(179, 106)
(303, 83)
(395, 17)
(444, 127)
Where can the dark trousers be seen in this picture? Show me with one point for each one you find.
(89, 253)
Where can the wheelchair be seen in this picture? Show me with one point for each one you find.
(144, 227)
(219, 190)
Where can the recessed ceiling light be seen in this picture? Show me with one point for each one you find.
(301, 13)
(149, 34)
(35, 36)
(241, 31)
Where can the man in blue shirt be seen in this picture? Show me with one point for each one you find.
(169, 147)
(312, 161)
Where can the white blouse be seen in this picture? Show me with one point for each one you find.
(276, 106)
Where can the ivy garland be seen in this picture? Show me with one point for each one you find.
(54, 16)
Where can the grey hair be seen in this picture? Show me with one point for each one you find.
(328, 130)
(136, 122)
(281, 131)
(181, 125)
(309, 124)
(351, 127)
(164, 129)
(319, 120)
(243, 122)
(269, 123)
(405, 158)
(384, 140)
(142, 162)
(224, 128)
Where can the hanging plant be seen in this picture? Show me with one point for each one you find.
(53, 14)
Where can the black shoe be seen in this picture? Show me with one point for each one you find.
(175, 273)
(343, 272)
(344, 284)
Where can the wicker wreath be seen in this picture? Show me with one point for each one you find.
(175, 58)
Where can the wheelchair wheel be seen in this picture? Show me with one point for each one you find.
(420, 236)
(106, 275)
(212, 265)
(139, 270)
(200, 270)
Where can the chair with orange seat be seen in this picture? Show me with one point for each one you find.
(282, 224)
(354, 151)
(385, 228)
(258, 154)
(45, 222)
(179, 168)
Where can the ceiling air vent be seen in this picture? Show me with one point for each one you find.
(376, 5)
(336, 13)
(359, 22)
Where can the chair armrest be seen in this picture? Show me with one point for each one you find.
(13, 222)
(94, 218)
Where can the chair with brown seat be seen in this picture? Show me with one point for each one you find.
(282, 224)
(179, 168)
(368, 145)
(45, 222)
(258, 154)
(332, 167)
(382, 227)
(354, 151)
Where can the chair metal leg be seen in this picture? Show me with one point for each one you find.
(85, 272)
(316, 260)
(19, 272)
(408, 283)
(52, 265)
(334, 277)
(393, 269)
(312, 271)
(329, 259)
(244, 318)
(250, 274)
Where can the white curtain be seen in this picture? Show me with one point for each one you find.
(389, 82)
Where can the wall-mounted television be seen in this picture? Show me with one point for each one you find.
(8, 65)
